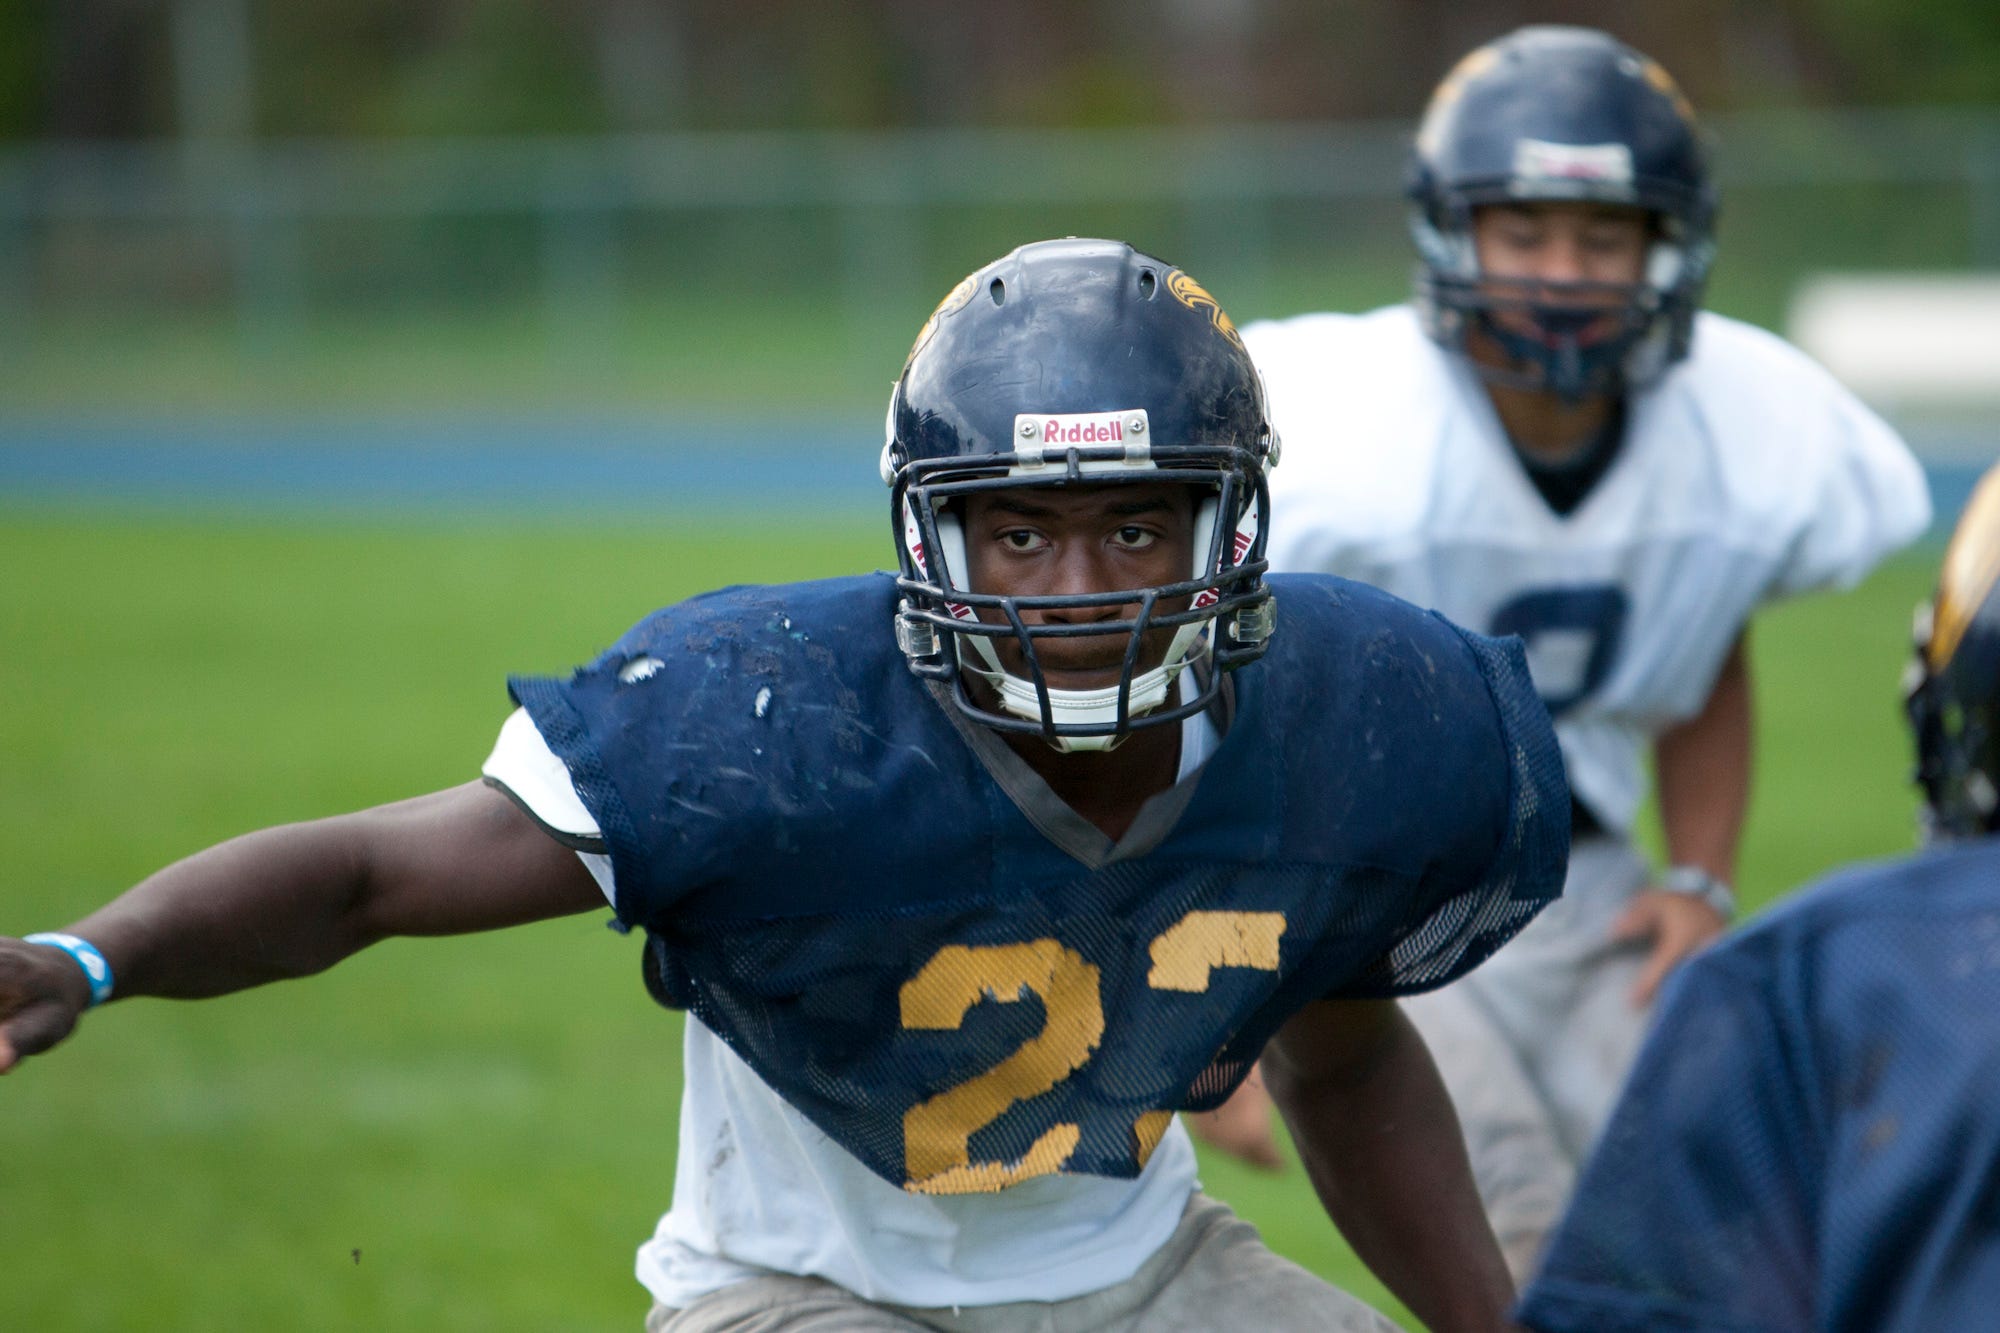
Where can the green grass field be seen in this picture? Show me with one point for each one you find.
(475, 1133)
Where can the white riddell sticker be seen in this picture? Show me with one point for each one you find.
(1044, 439)
(1061, 430)
(1607, 163)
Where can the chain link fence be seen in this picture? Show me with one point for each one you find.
(279, 234)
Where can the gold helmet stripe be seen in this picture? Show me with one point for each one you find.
(1195, 297)
(1663, 83)
(1971, 568)
(1474, 64)
(953, 300)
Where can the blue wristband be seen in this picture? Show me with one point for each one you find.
(95, 969)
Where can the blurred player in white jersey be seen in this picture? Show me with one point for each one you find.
(1553, 441)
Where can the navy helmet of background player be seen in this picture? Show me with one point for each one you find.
(1809, 1140)
(1123, 329)
(1562, 114)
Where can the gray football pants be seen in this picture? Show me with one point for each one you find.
(1214, 1272)
(1536, 1042)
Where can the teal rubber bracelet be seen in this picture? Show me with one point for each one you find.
(95, 969)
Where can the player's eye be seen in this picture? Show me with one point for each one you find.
(1135, 538)
(1022, 539)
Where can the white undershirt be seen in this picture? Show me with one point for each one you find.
(761, 1189)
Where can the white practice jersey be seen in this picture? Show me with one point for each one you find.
(1746, 473)
(761, 1189)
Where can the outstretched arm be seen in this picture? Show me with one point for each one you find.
(1383, 1147)
(294, 900)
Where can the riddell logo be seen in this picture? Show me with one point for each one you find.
(1046, 432)
(1106, 429)
(1604, 163)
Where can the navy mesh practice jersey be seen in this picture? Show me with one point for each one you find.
(1811, 1138)
(883, 910)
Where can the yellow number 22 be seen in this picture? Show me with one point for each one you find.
(937, 1133)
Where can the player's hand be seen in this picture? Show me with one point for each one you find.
(42, 994)
(1241, 1127)
(1678, 925)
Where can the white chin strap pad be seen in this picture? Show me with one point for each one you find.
(1097, 707)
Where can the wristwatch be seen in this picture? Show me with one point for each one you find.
(1698, 883)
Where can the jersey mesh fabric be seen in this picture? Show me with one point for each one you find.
(760, 1189)
(843, 894)
(1075, 989)
(1810, 1139)
(1536, 835)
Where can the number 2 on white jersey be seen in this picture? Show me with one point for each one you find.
(1572, 636)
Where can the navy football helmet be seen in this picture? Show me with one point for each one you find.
(1953, 688)
(1552, 113)
(1080, 362)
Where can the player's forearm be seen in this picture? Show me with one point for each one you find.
(1703, 770)
(291, 901)
(1383, 1148)
(282, 902)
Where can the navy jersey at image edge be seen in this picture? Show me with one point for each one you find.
(1811, 1137)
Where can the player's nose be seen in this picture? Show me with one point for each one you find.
(1561, 259)
(1078, 571)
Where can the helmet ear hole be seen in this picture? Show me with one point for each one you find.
(1148, 284)
(1665, 261)
(998, 291)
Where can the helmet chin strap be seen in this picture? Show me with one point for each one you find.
(1099, 707)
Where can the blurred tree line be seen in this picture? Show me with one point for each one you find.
(123, 69)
